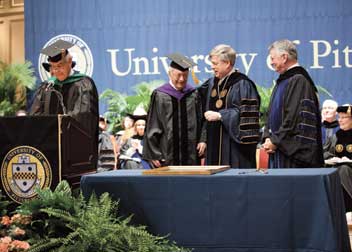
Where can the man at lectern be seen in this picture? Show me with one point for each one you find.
(67, 92)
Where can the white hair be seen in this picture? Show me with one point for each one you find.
(330, 102)
(225, 53)
(285, 46)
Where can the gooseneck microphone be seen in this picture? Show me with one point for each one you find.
(50, 88)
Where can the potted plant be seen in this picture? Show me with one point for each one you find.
(15, 79)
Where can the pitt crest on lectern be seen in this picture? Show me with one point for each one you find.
(23, 169)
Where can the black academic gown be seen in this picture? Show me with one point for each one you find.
(294, 123)
(328, 129)
(340, 145)
(174, 126)
(80, 98)
(233, 140)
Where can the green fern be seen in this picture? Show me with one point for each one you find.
(88, 226)
(61, 198)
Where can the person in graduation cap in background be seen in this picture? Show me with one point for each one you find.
(67, 92)
(231, 103)
(174, 133)
(339, 152)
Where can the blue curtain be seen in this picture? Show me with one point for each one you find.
(148, 30)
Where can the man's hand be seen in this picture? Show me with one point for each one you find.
(212, 116)
(156, 163)
(201, 148)
(268, 146)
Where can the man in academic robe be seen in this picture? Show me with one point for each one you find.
(231, 102)
(292, 133)
(174, 133)
(67, 92)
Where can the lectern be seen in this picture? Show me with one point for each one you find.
(42, 151)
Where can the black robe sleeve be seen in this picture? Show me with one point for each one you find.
(153, 132)
(241, 118)
(37, 107)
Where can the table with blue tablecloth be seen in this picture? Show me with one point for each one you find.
(238, 210)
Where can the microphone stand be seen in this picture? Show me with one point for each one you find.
(50, 87)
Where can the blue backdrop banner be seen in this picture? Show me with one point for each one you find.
(122, 43)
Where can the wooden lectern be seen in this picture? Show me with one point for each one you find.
(42, 151)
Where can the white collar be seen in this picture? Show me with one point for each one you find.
(294, 65)
(172, 84)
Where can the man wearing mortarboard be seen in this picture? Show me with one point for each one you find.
(175, 133)
(67, 92)
(339, 152)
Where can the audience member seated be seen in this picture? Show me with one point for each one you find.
(329, 121)
(107, 158)
(339, 152)
(126, 123)
(132, 148)
(126, 132)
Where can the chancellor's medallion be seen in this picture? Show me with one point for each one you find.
(219, 103)
(223, 93)
(213, 93)
(349, 148)
(339, 148)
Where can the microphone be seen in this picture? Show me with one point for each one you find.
(50, 87)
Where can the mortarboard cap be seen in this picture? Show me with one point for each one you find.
(138, 114)
(180, 62)
(345, 109)
(56, 50)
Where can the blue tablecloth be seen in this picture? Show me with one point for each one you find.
(286, 210)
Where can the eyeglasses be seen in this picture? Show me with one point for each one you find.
(57, 68)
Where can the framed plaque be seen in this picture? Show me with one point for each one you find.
(187, 170)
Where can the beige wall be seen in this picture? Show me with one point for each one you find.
(12, 31)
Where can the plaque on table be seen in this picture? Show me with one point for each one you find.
(187, 170)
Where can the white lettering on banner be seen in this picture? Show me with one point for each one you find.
(137, 62)
(155, 62)
(347, 52)
(208, 62)
(144, 66)
(113, 53)
(323, 49)
(317, 55)
(141, 65)
(195, 58)
(247, 65)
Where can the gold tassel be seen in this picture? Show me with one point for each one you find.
(349, 110)
(194, 77)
